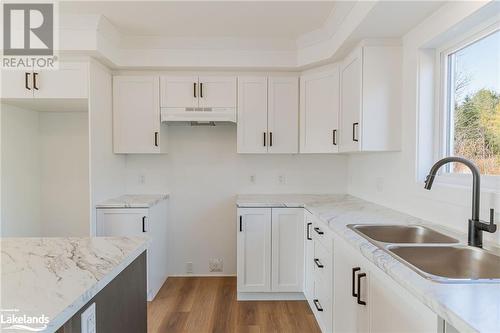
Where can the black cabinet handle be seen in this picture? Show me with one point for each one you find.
(354, 136)
(201, 90)
(354, 270)
(156, 139)
(318, 263)
(270, 139)
(144, 224)
(308, 231)
(26, 80)
(318, 231)
(360, 275)
(317, 305)
(241, 223)
(194, 89)
(264, 139)
(334, 139)
(34, 81)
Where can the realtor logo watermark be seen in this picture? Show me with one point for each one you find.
(29, 35)
(12, 320)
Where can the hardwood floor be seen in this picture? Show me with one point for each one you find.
(208, 304)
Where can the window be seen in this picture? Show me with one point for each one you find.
(472, 103)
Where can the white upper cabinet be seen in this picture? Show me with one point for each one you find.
(283, 115)
(252, 114)
(371, 99)
(136, 115)
(179, 91)
(267, 114)
(70, 80)
(203, 91)
(217, 91)
(319, 111)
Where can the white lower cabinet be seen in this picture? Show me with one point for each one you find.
(150, 221)
(270, 249)
(367, 300)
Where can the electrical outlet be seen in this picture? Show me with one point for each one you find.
(142, 179)
(282, 180)
(189, 267)
(88, 320)
(215, 265)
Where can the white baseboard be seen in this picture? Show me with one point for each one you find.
(202, 275)
(270, 296)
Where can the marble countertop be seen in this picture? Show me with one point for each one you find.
(133, 201)
(473, 307)
(55, 277)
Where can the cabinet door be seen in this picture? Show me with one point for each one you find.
(349, 316)
(309, 257)
(254, 250)
(287, 250)
(179, 91)
(393, 309)
(283, 115)
(319, 112)
(17, 84)
(136, 114)
(70, 80)
(350, 100)
(252, 115)
(217, 91)
(122, 222)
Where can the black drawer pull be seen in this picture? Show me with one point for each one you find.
(318, 263)
(354, 270)
(144, 224)
(26, 80)
(334, 137)
(156, 139)
(308, 232)
(270, 139)
(318, 231)
(264, 139)
(34, 81)
(241, 223)
(317, 304)
(194, 89)
(354, 134)
(360, 275)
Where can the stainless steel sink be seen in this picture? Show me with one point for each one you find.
(402, 234)
(457, 263)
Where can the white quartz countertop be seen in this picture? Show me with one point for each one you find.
(133, 201)
(473, 307)
(55, 277)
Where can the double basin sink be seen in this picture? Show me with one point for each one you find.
(433, 255)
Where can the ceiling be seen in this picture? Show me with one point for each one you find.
(206, 19)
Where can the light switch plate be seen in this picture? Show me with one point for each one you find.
(88, 320)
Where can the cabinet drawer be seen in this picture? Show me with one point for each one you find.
(321, 233)
(322, 303)
(322, 262)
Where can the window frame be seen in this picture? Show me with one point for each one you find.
(443, 100)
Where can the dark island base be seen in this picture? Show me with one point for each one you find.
(121, 306)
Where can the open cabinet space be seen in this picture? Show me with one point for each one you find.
(45, 172)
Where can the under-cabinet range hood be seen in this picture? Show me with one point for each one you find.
(198, 114)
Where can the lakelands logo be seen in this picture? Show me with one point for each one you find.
(11, 319)
(28, 35)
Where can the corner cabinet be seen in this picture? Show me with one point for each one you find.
(370, 97)
(319, 111)
(268, 115)
(136, 115)
(270, 256)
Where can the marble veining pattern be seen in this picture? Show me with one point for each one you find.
(57, 276)
(473, 307)
(133, 201)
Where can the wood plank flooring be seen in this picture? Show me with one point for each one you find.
(208, 304)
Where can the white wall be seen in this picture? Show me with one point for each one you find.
(107, 170)
(45, 179)
(64, 173)
(203, 173)
(20, 154)
(391, 178)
